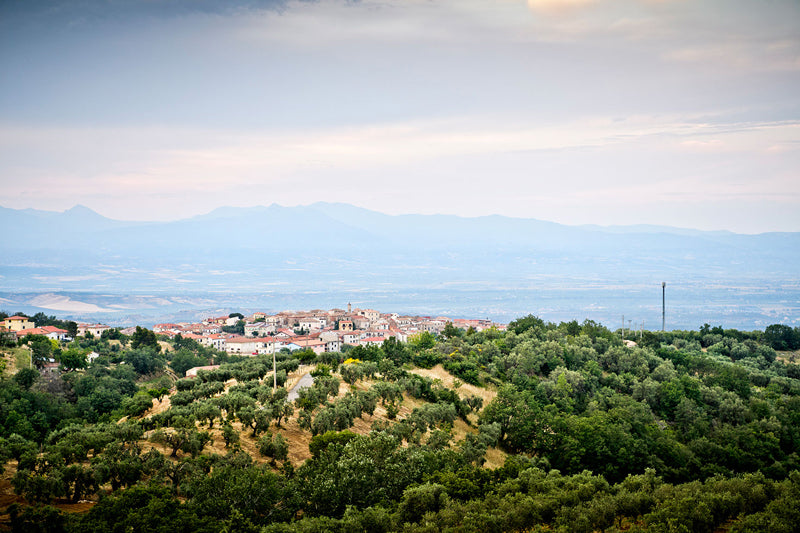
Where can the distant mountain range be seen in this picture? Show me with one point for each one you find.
(330, 248)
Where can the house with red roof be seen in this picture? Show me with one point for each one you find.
(51, 332)
(58, 334)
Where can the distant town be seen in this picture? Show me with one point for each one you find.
(264, 333)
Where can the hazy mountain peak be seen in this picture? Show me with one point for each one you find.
(80, 209)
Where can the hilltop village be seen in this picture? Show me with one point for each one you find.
(316, 330)
(263, 333)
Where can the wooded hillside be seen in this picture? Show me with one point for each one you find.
(544, 427)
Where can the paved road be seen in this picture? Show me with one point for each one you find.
(306, 381)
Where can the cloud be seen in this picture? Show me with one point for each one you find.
(511, 103)
(713, 145)
(167, 173)
(781, 55)
(558, 6)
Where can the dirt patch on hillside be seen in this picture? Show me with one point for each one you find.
(159, 406)
(495, 458)
(7, 496)
(465, 390)
(298, 438)
(165, 346)
(789, 356)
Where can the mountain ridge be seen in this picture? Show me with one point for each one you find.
(335, 210)
(325, 253)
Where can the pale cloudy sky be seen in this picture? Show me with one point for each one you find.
(675, 112)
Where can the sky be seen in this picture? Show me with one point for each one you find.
(674, 112)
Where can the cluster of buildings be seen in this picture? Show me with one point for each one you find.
(21, 326)
(317, 330)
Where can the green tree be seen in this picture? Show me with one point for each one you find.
(276, 447)
(195, 442)
(365, 471)
(207, 411)
(119, 464)
(72, 359)
(183, 359)
(321, 442)
(8, 339)
(26, 377)
(238, 328)
(144, 338)
(179, 439)
(426, 498)
(529, 322)
(257, 493)
(36, 519)
(451, 332)
(395, 350)
(261, 421)
(229, 435)
(422, 341)
(524, 425)
(144, 360)
(143, 508)
(782, 337)
(158, 393)
(137, 404)
(79, 481)
(72, 329)
(41, 349)
(38, 486)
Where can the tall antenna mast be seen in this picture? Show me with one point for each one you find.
(663, 305)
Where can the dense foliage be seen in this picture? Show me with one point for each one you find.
(682, 431)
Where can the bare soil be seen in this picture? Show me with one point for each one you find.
(448, 380)
(789, 356)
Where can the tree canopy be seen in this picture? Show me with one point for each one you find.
(544, 427)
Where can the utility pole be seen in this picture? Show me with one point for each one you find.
(623, 327)
(663, 306)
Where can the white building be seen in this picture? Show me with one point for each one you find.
(95, 329)
(215, 340)
(245, 346)
(311, 324)
(259, 329)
